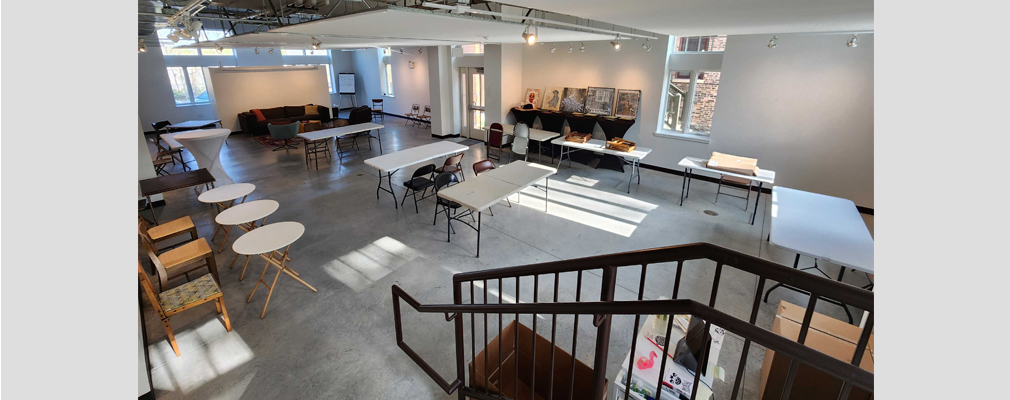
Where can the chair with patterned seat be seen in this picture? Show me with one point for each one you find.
(181, 260)
(182, 298)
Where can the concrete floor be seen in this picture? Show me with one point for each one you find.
(339, 342)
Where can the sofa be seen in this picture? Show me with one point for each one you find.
(358, 115)
(251, 124)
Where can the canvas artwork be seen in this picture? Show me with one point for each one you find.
(573, 100)
(627, 103)
(600, 101)
(552, 98)
(532, 97)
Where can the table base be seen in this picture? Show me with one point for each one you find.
(635, 163)
(389, 179)
(314, 148)
(278, 262)
(685, 191)
(841, 273)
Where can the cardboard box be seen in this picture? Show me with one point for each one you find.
(734, 164)
(504, 381)
(827, 335)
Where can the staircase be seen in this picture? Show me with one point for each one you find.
(819, 288)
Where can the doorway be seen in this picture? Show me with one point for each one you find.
(472, 103)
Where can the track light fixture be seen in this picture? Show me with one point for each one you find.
(141, 46)
(570, 49)
(530, 38)
(774, 42)
(219, 49)
(419, 51)
(271, 51)
(554, 48)
(853, 41)
(401, 50)
(646, 45)
(257, 50)
(315, 43)
(173, 37)
(582, 49)
(616, 43)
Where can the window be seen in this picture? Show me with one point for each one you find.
(188, 85)
(691, 102)
(170, 48)
(389, 79)
(285, 52)
(700, 43)
(386, 70)
(471, 49)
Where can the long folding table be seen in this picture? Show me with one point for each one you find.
(388, 164)
(692, 163)
(823, 227)
(537, 135)
(489, 188)
(633, 158)
(317, 142)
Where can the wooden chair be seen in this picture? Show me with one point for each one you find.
(182, 298)
(181, 260)
(160, 164)
(484, 165)
(174, 155)
(495, 140)
(168, 230)
(415, 111)
(453, 164)
(737, 181)
(425, 117)
(377, 110)
(158, 127)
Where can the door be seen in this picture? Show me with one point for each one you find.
(472, 99)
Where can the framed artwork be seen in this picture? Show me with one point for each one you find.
(532, 97)
(552, 98)
(600, 101)
(628, 102)
(573, 100)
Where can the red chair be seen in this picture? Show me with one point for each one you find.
(496, 139)
(485, 165)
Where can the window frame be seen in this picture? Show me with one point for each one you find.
(189, 87)
(685, 132)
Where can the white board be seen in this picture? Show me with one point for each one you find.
(345, 83)
(237, 90)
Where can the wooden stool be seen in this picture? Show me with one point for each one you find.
(266, 241)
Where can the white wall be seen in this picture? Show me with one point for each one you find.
(409, 85)
(145, 163)
(237, 90)
(803, 109)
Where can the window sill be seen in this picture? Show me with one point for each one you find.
(685, 136)
(388, 95)
(192, 105)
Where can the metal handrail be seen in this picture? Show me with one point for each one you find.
(818, 288)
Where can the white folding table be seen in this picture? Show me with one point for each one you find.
(822, 227)
(633, 158)
(205, 146)
(537, 135)
(319, 141)
(392, 162)
(487, 189)
(692, 163)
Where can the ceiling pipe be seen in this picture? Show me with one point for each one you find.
(468, 9)
(243, 21)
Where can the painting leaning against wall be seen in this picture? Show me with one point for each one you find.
(600, 101)
(552, 98)
(573, 100)
(628, 102)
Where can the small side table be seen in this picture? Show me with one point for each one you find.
(244, 216)
(224, 197)
(266, 241)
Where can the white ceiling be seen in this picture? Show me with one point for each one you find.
(719, 17)
(399, 28)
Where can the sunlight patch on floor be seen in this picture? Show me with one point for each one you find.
(201, 365)
(360, 268)
(614, 213)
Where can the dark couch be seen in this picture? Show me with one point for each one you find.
(358, 115)
(279, 115)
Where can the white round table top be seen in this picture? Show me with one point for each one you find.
(202, 133)
(247, 212)
(268, 238)
(226, 193)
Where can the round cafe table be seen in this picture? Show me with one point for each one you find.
(267, 242)
(205, 146)
(223, 197)
(244, 216)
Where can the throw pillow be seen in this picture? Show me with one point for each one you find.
(259, 115)
(311, 110)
